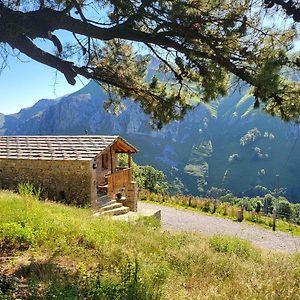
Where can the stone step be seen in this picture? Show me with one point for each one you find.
(104, 199)
(102, 189)
(111, 206)
(117, 211)
(100, 204)
(103, 186)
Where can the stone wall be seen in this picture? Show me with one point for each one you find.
(68, 181)
(131, 194)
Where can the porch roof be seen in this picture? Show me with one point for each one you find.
(85, 147)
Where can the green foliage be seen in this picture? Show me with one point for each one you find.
(284, 209)
(147, 177)
(15, 237)
(198, 46)
(232, 245)
(151, 179)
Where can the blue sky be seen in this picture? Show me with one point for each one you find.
(24, 83)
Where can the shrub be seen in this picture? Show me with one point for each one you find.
(151, 179)
(284, 209)
(232, 245)
(27, 190)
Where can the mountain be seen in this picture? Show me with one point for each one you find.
(2, 116)
(225, 144)
(15, 122)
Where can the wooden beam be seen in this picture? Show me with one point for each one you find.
(129, 159)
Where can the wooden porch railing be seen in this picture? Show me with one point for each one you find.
(118, 180)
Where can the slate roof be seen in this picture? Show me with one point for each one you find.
(85, 147)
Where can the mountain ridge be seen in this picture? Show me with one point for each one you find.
(202, 151)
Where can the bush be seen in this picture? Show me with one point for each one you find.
(268, 203)
(284, 209)
(150, 179)
(232, 245)
(14, 236)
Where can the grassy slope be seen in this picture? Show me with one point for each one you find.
(64, 252)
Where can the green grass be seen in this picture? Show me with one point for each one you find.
(224, 210)
(233, 245)
(61, 252)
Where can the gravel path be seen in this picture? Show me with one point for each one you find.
(183, 220)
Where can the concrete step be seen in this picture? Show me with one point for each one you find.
(117, 211)
(111, 206)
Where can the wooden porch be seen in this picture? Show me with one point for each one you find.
(119, 194)
(117, 182)
(115, 186)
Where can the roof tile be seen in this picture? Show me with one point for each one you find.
(56, 147)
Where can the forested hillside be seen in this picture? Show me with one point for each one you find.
(225, 144)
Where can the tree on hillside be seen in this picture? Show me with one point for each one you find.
(199, 46)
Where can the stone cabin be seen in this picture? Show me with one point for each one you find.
(80, 170)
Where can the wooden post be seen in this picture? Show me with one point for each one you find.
(274, 220)
(215, 206)
(240, 214)
(129, 159)
(111, 161)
